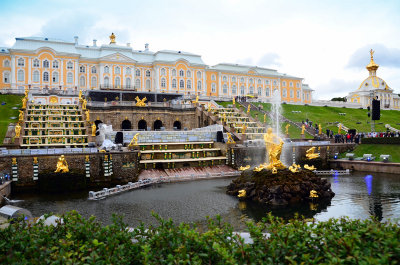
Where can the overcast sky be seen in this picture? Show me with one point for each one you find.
(324, 42)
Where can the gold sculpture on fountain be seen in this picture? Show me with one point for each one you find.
(196, 100)
(62, 165)
(87, 116)
(295, 168)
(242, 193)
(134, 141)
(140, 102)
(248, 109)
(303, 128)
(312, 168)
(17, 130)
(287, 129)
(84, 102)
(24, 100)
(21, 116)
(94, 128)
(320, 129)
(230, 139)
(310, 153)
(313, 194)
(244, 168)
(233, 102)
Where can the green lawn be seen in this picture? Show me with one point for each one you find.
(376, 150)
(6, 112)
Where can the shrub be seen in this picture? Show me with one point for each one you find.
(381, 140)
(85, 241)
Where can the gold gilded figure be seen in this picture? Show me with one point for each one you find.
(112, 38)
(62, 165)
(310, 153)
(17, 130)
(24, 100)
(274, 150)
(84, 102)
(303, 128)
(320, 129)
(21, 116)
(312, 168)
(230, 139)
(340, 128)
(134, 141)
(233, 102)
(248, 109)
(140, 102)
(87, 115)
(313, 194)
(287, 128)
(242, 193)
(94, 127)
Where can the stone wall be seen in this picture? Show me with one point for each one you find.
(124, 165)
(393, 168)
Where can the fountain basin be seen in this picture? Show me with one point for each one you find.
(281, 188)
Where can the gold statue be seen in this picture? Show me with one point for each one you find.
(287, 129)
(340, 128)
(265, 118)
(26, 92)
(209, 107)
(274, 150)
(295, 168)
(140, 102)
(244, 168)
(233, 101)
(112, 38)
(62, 165)
(87, 115)
(196, 100)
(319, 128)
(14, 160)
(310, 153)
(230, 139)
(134, 141)
(244, 127)
(303, 128)
(21, 116)
(80, 95)
(35, 161)
(312, 168)
(24, 100)
(242, 193)
(94, 128)
(224, 117)
(248, 109)
(17, 130)
(84, 102)
(313, 194)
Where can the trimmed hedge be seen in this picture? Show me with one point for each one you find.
(381, 140)
(86, 241)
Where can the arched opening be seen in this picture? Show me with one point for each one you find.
(97, 122)
(126, 125)
(142, 125)
(119, 138)
(177, 125)
(159, 166)
(157, 125)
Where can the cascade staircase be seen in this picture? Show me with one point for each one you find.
(53, 125)
(178, 155)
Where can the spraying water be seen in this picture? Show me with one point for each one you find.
(276, 110)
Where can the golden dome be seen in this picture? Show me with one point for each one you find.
(372, 66)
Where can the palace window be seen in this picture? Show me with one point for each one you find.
(128, 71)
(242, 80)
(199, 85)
(55, 77)
(70, 66)
(251, 90)
(213, 77)
(291, 93)
(6, 77)
(242, 90)
(291, 84)
(6, 63)
(188, 73)
(213, 88)
(181, 84)
(259, 81)
(46, 64)
(307, 96)
(259, 91)
(137, 72)
(298, 85)
(267, 92)
(234, 90)
(148, 73)
(20, 75)
(162, 71)
(70, 78)
(36, 76)
(94, 70)
(284, 83)
(94, 82)
(233, 79)
(267, 82)
(251, 81)
(181, 73)
(173, 72)
(163, 82)
(45, 77)
(148, 83)
(117, 82)
(106, 69)
(173, 83)
(224, 78)
(275, 83)
(36, 63)
(137, 83)
(82, 81)
(128, 82)
(21, 62)
(189, 84)
(55, 64)
(117, 70)
(82, 69)
(225, 89)
(284, 93)
(298, 93)
(198, 74)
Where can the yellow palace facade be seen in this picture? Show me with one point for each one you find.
(43, 63)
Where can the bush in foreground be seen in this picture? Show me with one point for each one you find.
(85, 241)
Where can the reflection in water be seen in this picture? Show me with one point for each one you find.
(357, 196)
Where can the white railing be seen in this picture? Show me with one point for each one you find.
(391, 128)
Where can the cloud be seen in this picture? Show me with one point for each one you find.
(269, 59)
(335, 88)
(383, 56)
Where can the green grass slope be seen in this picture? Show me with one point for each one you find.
(6, 112)
(376, 150)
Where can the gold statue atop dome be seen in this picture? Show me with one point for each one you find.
(372, 66)
(112, 38)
